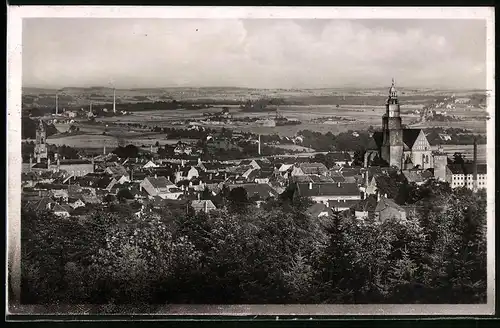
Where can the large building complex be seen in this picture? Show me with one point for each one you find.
(399, 147)
(409, 150)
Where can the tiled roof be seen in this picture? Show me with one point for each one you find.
(313, 168)
(200, 204)
(159, 182)
(316, 209)
(73, 161)
(328, 189)
(342, 204)
(262, 190)
(366, 205)
(384, 203)
(467, 168)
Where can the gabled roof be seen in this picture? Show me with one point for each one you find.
(350, 171)
(61, 208)
(366, 205)
(201, 204)
(410, 136)
(313, 168)
(328, 189)
(42, 204)
(316, 209)
(73, 161)
(262, 190)
(104, 182)
(342, 204)
(159, 182)
(40, 166)
(117, 170)
(384, 203)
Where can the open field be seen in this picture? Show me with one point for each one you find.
(364, 116)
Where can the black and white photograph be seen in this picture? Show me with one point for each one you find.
(266, 161)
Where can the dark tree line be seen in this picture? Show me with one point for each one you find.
(272, 254)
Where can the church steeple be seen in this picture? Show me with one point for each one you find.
(393, 94)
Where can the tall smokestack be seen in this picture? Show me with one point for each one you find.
(90, 108)
(57, 105)
(114, 101)
(259, 145)
(474, 177)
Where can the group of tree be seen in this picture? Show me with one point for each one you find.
(274, 253)
(344, 141)
(29, 127)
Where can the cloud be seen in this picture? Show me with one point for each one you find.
(251, 53)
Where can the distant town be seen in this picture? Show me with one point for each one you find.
(193, 156)
(149, 158)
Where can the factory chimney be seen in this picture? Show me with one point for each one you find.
(259, 145)
(114, 101)
(57, 105)
(474, 177)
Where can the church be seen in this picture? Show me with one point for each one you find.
(400, 147)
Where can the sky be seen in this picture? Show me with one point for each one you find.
(254, 53)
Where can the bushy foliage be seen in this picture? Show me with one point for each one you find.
(274, 253)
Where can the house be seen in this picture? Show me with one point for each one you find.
(116, 170)
(319, 210)
(203, 205)
(61, 210)
(388, 209)
(186, 173)
(160, 186)
(248, 162)
(285, 170)
(310, 168)
(106, 183)
(342, 205)
(75, 203)
(340, 158)
(182, 148)
(123, 179)
(149, 164)
(419, 177)
(257, 191)
(365, 208)
(43, 204)
(444, 136)
(325, 192)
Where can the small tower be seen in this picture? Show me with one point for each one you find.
(41, 146)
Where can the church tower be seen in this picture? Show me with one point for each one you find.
(392, 142)
(41, 146)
